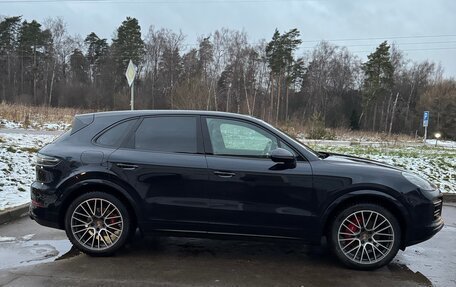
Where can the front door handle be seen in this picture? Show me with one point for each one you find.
(127, 166)
(224, 174)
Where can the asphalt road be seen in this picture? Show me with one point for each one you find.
(32, 255)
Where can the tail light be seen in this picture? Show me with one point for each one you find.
(45, 160)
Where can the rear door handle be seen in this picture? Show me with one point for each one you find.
(224, 174)
(127, 166)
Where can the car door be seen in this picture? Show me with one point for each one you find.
(163, 161)
(249, 193)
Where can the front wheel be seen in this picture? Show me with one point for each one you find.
(97, 223)
(365, 236)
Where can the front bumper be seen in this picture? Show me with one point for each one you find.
(426, 232)
(428, 221)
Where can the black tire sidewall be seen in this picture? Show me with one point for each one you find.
(122, 209)
(357, 207)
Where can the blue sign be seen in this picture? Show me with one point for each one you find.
(425, 118)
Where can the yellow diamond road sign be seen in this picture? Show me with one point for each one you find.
(130, 73)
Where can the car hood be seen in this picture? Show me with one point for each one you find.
(341, 158)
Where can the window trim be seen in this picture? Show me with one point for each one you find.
(208, 143)
(129, 141)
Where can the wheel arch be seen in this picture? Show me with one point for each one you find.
(367, 196)
(90, 185)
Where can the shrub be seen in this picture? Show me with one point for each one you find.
(317, 129)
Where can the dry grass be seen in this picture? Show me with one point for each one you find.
(42, 114)
(346, 134)
(299, 131)
(37, 114)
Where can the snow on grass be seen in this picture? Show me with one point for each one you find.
(17, 166)
(436, 164)
(34, 125)
(439, 143)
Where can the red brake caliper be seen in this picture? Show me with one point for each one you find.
(112, 220)
(352, 228)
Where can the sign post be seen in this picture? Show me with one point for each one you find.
(130, 74)
(425, 123)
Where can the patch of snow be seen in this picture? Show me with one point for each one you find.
(27, 237)
(436, 164)
(10, 125)
(439, 143)
(55, 126)
(17, 166)
(59, 126)
(7, 239)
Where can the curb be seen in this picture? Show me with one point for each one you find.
(449, 197)
(14, 213)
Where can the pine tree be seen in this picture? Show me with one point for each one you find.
(280, 55)
(378, 82)
(79, 68)
(128, 45)
(9, 28)
(97, 51)
(32, 47)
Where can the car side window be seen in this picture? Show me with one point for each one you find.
(238, 138)
(288, 148)
(115, 134)
(167, 134)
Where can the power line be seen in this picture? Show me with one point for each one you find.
(355, 45)
(418, 49)
(381, 38)
(396, 44)
(158, 1)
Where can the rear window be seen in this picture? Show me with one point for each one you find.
(114, 135)
(167, 134)
(81, 121)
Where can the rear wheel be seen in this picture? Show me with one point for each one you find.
(97, 223)
(365, 236)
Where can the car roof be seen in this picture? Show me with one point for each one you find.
(130, 113)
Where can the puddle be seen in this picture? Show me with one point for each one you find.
(24, 251)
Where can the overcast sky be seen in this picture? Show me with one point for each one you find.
(400, 21)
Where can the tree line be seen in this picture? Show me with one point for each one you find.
(42, 64)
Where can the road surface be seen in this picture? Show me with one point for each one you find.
(32, 255)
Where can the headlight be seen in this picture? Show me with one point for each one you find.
(45, 160)
(419, 181)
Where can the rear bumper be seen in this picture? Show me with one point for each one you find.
(42, 207)
(44, 217)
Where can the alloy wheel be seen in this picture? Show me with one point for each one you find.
(97, 224)
(365, 237)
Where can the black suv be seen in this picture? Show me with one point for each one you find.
(203, 173)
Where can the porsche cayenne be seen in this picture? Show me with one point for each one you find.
(199, 173)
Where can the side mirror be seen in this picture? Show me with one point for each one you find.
(283, 156)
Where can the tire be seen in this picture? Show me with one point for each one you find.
(365, 236)
(97, 223)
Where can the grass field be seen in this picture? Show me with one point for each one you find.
(436, 164)
(38, 118)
